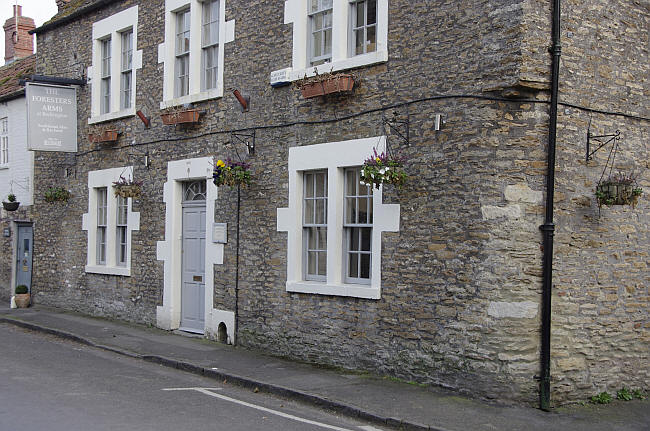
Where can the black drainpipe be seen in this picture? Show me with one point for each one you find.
(236, 328)
(548, 228)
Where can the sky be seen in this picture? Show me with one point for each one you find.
(39, 10)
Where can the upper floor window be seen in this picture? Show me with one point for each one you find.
(364, 26)
(210, 44)
(4, 141)
(320, 23)
(114, 64)
(182, 87)
(106, 75)
(193, 51)
(126, 68)
(332, 35)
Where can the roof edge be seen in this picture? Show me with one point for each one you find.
(71, 17)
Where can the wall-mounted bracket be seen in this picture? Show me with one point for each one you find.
(397, 125)
(600, 141)
(245, 138)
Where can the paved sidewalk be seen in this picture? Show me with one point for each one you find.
(380, 401)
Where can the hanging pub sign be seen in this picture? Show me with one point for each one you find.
(51, 117)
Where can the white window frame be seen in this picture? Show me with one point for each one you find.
(296, 12)
(167, 53)
(323, 9)
(311, 221)
(113, 27)
(102, 223)
(126, 68)
(4, 142)
(105, 75)
(91, 223)
(333, 157)
(122, 228)
(354, 28)
(209, 44)
(350, 226)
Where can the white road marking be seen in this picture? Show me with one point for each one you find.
(369, 428)
(206, 391)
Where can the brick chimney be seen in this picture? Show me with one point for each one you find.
(62, 4)
(18, 42)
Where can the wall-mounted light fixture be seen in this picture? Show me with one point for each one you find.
(147, 160)
(244, 100)
(143, 118)
(438, 122)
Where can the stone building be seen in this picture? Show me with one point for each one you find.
(16, 162)
(438, 281)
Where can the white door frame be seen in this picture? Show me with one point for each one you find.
(168, 316)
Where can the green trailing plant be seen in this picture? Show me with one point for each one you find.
(54, 194)
(602, 398)
(11, 197)
(382, 168)
(231, 173)
(21, 289)
(639, 394)
(619, 189)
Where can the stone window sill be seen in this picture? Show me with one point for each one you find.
(109, 270)
(112, 116)
(343, 289)
(191, 98)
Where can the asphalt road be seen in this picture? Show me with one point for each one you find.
(51, 384)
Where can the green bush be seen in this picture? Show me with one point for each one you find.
(21, 289)
(54, 194)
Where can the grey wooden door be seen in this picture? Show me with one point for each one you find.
(193, 262)
(24, 256)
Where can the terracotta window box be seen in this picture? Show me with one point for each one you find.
(107, 136)
(327, 85)
(181, 117)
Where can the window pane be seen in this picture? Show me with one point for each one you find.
(351, 189)
(370, 209)
(350, 210)
(321, 187)
(322, 263)
(358, 41)
(360, 14)
(363, 210)
(327, 4)
(372, 12)
(318, 22)
(317, 43)
(322, 238)
(314, 5)
(365, 238)
(353, 265)
(365, 266)
(320, 211)
(309, 211)
(328, 41)
(311, 262)
(312, 233)
(371, 44)
(309, 185)
(354, 239)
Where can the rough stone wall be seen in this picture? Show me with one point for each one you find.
(601, 332)
(461, 280)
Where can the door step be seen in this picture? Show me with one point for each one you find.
(189, 332)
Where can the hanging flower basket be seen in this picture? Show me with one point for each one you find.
(381, 168)
(106, 136)
(618, 190)
(231, 173)
(10, 204)
(57, 194)
(180, 117)
(127, 187)
(321, 85)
